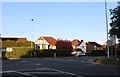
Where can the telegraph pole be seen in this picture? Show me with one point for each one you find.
(0, 41)
(108, 53)
(0, 46)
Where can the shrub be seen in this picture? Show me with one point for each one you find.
(9, 43)
(20, 49)
(50, 53)
(98, 53)
(19, 52)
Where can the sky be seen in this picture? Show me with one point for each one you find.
(66, 20)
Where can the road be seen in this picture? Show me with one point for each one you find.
(70, 66)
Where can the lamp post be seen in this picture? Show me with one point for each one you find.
(31, 40)
(32, 46)
(108, 53)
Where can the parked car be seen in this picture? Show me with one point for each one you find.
(77, 52)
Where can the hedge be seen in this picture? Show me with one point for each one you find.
(9, 43)
(19, 52)
(98, 53)
(50, 53)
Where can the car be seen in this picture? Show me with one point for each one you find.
(77, 52)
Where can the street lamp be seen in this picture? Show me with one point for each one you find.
(33, 52)
(108, 53)
(31, 39)
(31, 35)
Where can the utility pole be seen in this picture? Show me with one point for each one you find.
(0, 46)
(0, 41)
(108, 53)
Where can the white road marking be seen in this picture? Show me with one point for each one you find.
(38, 64)
(6, 71)
(29, 73)
(66, 72)
(18, 73)
(87, 62)
(71, 60)
(43, 69)
(26, 74)
(82, 61)
(57, 70)
(23, 61)
(44, 73)
(78, 61)
(25, 70)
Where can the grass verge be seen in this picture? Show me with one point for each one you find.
(111, 61)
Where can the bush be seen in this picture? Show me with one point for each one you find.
(50, 53)
(98, 53)
(9, 43)
(19, 52)
(20, 49)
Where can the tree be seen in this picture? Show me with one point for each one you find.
(115, 21)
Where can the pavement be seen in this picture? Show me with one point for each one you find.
(57, 67)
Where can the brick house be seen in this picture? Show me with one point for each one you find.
(93, 46)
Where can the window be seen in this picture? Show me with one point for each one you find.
(41, 41)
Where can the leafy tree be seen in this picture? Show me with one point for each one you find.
(115, 21)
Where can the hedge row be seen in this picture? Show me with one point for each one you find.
(9, 43)
(18, 53)
(98, 53)
(51, 53)
(26, 53)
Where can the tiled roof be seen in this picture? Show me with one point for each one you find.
(76, 42)
(50, 40)
(95, 44)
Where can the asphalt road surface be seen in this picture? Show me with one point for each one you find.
(57, 67)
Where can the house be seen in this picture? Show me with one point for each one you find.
(93, 46)
(79, 45)
(14, 39)
(75, 43)
(104, 47)
(82, 46)
(46, 42)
